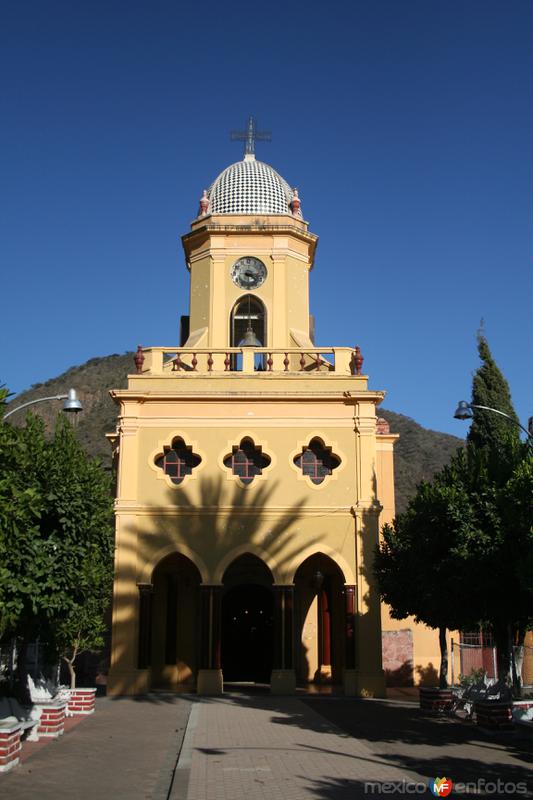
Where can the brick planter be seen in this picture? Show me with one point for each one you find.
(434, 699)
(52, 720)
(81, 702)
(494, 714)
(9, 746)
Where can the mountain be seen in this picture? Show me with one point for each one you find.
(419, 453)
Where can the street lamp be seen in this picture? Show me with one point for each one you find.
(464, 411)
(71, 405)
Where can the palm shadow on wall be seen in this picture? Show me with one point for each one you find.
(228, 516)
(224, 522)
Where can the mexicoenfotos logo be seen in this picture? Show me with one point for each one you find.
(441, 787)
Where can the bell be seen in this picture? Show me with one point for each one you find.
(250, 339)
(72, 404)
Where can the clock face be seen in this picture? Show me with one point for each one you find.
(248, 272)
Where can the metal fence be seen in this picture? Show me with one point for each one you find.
(467, 658)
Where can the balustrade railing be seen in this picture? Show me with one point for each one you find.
(208, 360)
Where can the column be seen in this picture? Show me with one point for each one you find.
(171, 620)
(145, 625)
(283, 678)
(325, 626)
(349, 677)
(210, 672)
(349, 626)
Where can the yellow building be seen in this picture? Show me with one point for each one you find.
(253, 474)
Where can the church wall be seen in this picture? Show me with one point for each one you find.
(199, 295)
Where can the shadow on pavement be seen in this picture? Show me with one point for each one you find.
(400, 735)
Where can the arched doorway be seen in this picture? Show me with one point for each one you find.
(247, 631)
(247, 621)
(319, 620)
(175, 612)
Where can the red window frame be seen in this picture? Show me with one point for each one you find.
(316, 461)
(247, 458)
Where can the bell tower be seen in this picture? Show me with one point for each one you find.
(249, 253)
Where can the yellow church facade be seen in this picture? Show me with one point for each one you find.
(254, 473)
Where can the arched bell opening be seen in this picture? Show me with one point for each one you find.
(248, 327)
(247, 621)
(175, 615)
(319, 621)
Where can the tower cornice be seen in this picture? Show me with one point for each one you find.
(205, 229)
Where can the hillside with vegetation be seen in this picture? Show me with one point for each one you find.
(419, 453)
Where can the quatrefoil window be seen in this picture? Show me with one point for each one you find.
(317, 461)
(246, 460)
(177, 461)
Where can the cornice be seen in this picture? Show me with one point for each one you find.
(273, 512)
(261, 397)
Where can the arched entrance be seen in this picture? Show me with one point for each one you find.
(247, 634)
(319, 620)
(175, 611)
(247, 621)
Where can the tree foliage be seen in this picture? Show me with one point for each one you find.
(56, 538)
(501, 491)
(490, 388)
(462, 554)
(424, 556)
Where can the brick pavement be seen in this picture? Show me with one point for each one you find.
(258, 746)
(127, 750)
(245, 748)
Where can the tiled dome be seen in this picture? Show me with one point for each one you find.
(250, 187)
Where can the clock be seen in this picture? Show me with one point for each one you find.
(248, 272)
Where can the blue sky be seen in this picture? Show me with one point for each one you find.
(406, 126)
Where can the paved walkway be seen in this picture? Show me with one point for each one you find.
(127, 750)
(329, 748)
(275, 748)
(165, 747)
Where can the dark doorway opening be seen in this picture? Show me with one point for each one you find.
(247, 633)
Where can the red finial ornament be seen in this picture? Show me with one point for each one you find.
(357, 361)
(139, 359)
(295, 204)
(204, 204)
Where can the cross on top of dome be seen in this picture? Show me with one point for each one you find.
(250, 186)
(250, 136)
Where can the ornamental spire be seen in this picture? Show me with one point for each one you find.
(250, 136)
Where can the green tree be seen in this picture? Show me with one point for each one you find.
(83, 627)
(25, 594)
(79, 506)
(425, 555)
(56, 536)
(495, 477)
(491, 432)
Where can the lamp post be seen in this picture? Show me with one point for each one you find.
(71, 405)
(464, 411)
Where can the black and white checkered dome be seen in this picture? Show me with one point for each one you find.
(249, 187)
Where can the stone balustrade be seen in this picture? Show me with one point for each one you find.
(167, 360)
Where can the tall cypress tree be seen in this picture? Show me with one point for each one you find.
(491, 431)
(494, 453)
